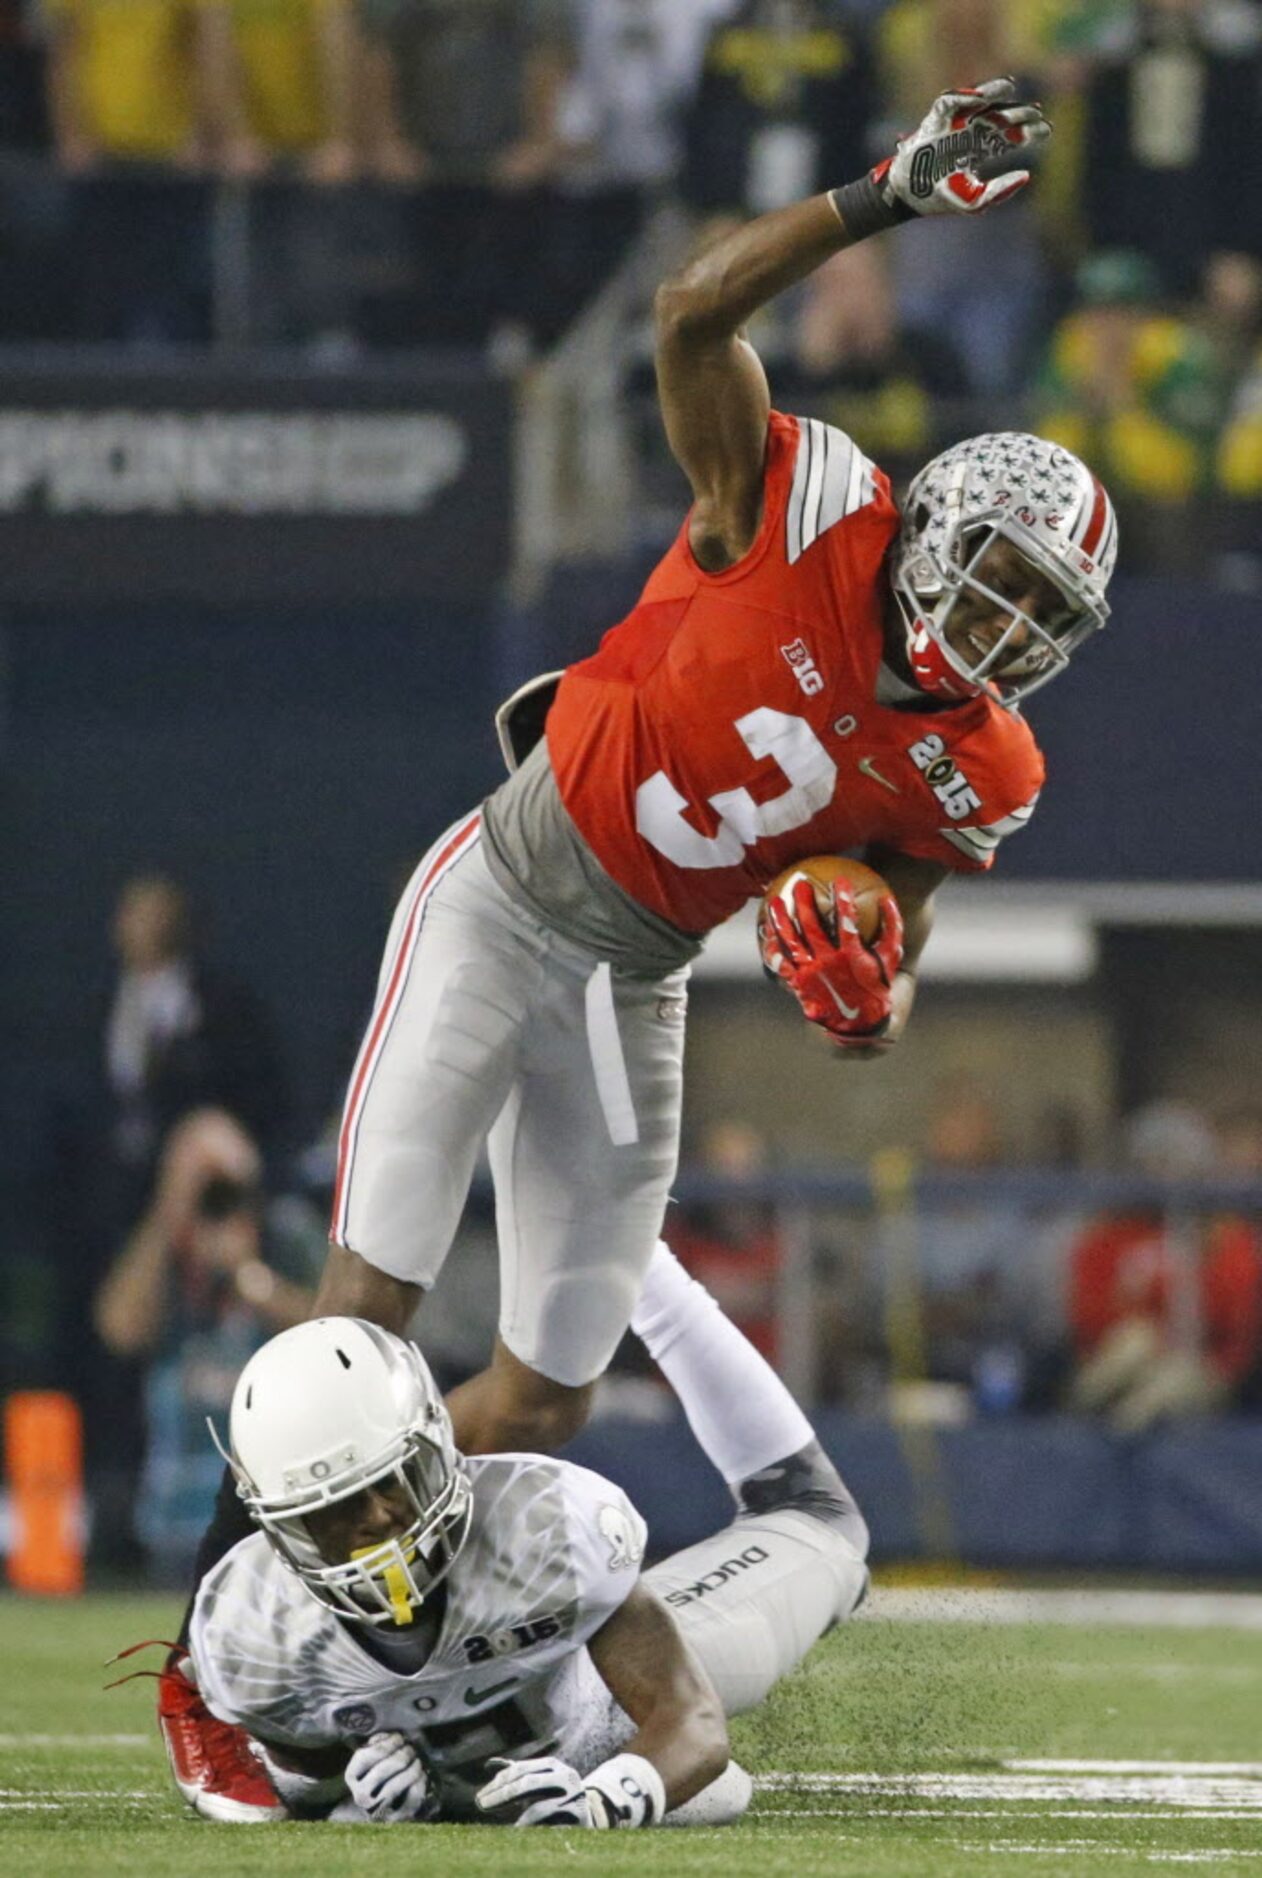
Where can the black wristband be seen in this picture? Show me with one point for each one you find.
(864, 211)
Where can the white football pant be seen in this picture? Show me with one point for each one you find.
(490, 1027)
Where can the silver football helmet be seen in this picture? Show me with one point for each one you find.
(325, 1410)
(1047, 503)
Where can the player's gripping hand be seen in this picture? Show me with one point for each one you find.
(934, 171)
(386, 1780)
(842, 984)
(624, 1791)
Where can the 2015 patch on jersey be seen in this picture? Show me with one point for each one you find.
(481, 1649)
(958, 797)
(949, 784)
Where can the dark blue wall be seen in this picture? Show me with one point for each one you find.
(1018, 1492)
(287, 769)
(1151, 741)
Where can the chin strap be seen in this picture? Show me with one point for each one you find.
(932, 669)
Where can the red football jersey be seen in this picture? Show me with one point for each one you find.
(729, 726)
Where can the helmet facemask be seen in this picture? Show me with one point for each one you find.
(929, 592)
(388, 1582)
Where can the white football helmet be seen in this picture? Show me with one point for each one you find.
(325, 1410)
(1047, 503)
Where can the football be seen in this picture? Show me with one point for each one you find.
(822, 870)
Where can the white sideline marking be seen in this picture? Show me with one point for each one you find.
(1097, 1814)
(1208, 1855)
(1168, 1610)
(75, 1793)
(76, 1741)
(1247, 1768)
(1230, 1675)
(1172, 1788)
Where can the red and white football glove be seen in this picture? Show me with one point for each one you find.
(841, 984)
(934, 171)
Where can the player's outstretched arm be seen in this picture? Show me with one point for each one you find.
(712, 387)
(711, 384)
(658, 1681)
(679, 1747)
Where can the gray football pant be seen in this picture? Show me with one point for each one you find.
(752, 1599)
(490, 1027)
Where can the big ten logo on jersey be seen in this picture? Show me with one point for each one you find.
(515, 1637)
(952, 788)
(802, 665)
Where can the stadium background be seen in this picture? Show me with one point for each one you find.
(293, 489)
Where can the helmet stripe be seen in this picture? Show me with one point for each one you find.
(1099, 516)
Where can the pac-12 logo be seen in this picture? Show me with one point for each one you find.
(802, 665)
(624, 1532)
(952, 788)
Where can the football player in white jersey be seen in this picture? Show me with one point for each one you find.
(414, 1636)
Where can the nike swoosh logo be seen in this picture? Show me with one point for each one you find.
(474, 1698)
(868, 768)
(841, 1004)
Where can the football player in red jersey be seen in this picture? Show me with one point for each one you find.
(806, 672)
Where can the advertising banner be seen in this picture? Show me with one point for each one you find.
(208, 483)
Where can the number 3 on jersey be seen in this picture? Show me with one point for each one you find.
(792, 744)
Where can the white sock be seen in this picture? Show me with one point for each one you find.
(737, 1407)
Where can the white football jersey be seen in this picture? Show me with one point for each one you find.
(552, 1551)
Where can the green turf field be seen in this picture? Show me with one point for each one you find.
(905, 1746)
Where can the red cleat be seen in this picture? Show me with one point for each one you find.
(214, 1763)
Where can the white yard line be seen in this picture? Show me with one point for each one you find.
(1073, 1848)
(1170, 1610)
(1099, 1814)
(76, 1793)
(77, 1741)
(1226, 1675)
(1247, 1769)
(1033, 1789)
(1172, 1787)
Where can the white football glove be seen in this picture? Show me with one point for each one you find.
(933, 172)
(624, 1791)
(386, 1780)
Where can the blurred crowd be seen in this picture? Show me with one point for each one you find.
(353, 174)
(991, 1301)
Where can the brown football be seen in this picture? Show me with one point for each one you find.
(822, 870)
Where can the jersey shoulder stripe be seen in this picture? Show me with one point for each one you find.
(831, 479)
(979, 843)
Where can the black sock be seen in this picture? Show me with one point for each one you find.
(228, 1523)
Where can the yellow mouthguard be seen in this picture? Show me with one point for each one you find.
(396, 1584)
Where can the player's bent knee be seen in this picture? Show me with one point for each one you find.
(551, 1422)
(512, 1409)
(850, 1570)
(351, 1287)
